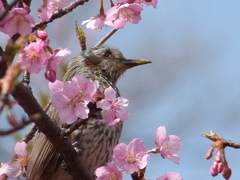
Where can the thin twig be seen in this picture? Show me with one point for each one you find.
(103, 40)
(59, 13)
(220, 142)
(30, 134)
(16, 128)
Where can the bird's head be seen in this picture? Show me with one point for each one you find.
(110, 61)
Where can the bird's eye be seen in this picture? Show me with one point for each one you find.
(107, 53)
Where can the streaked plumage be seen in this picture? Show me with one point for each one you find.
(97, 139)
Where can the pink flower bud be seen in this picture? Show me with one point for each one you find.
(209, 153)
(213, 171)
(227, 172)
(50, 75)
(42, 34)
(3, 176)
(220, 167)
(130, 1)
(218, 157)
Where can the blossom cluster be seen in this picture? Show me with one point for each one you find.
(117, 16)
(37, 55)
(18, 165)
(71, 98)
(19, 21)
(220, 164)
(133, 157)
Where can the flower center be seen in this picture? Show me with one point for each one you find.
(167, 146)
(80, 94)
(34, 56)
(72, 102)
(18, 19)
(112, 176)
(131, 158)
(126, 13)
(22, 161)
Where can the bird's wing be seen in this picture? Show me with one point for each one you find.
(43, 154)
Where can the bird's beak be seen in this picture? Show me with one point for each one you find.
(135, 62)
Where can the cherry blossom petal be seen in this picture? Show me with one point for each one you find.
(170, 176)
(55, 86)
(104, 104)
(20, 149)
(67, 115)
(81, 110)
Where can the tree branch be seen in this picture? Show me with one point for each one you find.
(63, 145)
(219, 142)
(59, 13)
(16, 128)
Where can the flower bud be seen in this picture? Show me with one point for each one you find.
(218, 157)
(209, 153)
(42, 34)
(227, 172)
(213, 171)
(220, 167)
(130, 1)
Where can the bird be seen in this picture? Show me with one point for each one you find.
(96, 139)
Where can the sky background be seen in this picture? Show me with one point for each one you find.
(192, 86)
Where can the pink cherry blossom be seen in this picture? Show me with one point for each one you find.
(96, 22)
(168, 146)
(151, 2)
(43, 35)
(1, 6)
(118, 16)
(109, 172)
(33, 58)
(170, 176)
(56, 86)
(146, 2)
(115, 107)
(20, 162)
(3, 170)
(53, 62)
(50, 6)
(131, 157)
(128, 1)
(18, 21)
(220, 164)
(73, 98)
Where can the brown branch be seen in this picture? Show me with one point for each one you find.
(139, 175)
(16, 128)
(30, 134)
(219, 142)
(231, 144)
(59, 13)
(63, 145)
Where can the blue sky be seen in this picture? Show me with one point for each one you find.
(192, 85)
